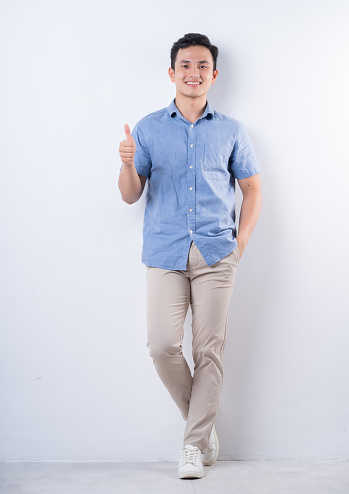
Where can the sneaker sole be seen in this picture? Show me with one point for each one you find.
(191, 475)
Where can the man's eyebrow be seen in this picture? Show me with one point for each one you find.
(188, 61)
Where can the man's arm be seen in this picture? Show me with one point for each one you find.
(131, 185)
(250, 208)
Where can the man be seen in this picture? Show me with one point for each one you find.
(191, 156)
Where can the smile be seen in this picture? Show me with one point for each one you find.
(192, 83)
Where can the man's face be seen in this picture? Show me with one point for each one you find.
(193, 74)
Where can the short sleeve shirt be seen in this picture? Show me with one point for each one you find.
(191, 170)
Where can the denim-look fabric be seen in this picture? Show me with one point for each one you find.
(191, 171)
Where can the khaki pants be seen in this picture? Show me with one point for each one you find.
(208, 289)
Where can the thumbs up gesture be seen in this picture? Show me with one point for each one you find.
(127, 148)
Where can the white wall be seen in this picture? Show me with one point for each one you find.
(76, 378)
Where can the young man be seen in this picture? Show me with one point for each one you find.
(191, 156)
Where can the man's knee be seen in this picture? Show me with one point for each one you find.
(208, 357)
(163, 348)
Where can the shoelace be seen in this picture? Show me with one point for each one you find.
(190, 456)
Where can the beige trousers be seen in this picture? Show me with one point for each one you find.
(208, 289)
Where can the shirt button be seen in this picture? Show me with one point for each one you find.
(190, 188)
(191, 145)
(192, 126)
(191, 231)
(191, 166)
(190, 210)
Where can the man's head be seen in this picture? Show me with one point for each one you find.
(193, 69)
(193, 39)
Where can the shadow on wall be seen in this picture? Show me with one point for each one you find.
(256, 272)
(223, 93)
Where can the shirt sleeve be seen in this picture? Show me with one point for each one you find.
(243, 161)
(142, 156)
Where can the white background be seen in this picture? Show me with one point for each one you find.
(77, 382)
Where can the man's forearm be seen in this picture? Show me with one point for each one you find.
(250, 210)
(130, 184)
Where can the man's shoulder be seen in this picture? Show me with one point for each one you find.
(222, 117)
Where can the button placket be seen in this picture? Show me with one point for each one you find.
(191, 178)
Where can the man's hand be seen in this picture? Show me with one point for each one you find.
(127, 148)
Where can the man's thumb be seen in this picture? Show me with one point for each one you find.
(128, 133)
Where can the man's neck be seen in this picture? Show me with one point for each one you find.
(191, 108)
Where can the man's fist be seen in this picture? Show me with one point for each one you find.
(127, 148)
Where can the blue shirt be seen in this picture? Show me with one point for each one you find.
(191, 170)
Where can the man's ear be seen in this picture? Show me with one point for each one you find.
(215, 74)
(171, 74)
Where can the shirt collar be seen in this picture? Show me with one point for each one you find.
(173, 111)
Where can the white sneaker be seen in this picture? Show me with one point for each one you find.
(190, 464)
(211, 454)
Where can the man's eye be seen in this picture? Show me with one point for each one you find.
(203, 67)
(185, 66)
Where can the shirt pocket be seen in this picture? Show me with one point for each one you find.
(215, 162)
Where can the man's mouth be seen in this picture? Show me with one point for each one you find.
(193, 83)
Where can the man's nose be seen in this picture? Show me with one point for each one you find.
(195, 72)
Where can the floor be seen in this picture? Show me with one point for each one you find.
(224, 477)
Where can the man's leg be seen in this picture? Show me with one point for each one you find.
(168, 294)
(211, 290)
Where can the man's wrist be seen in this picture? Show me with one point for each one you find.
(243, 238)
(242, 241)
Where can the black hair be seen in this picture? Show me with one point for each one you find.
(193, 39)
